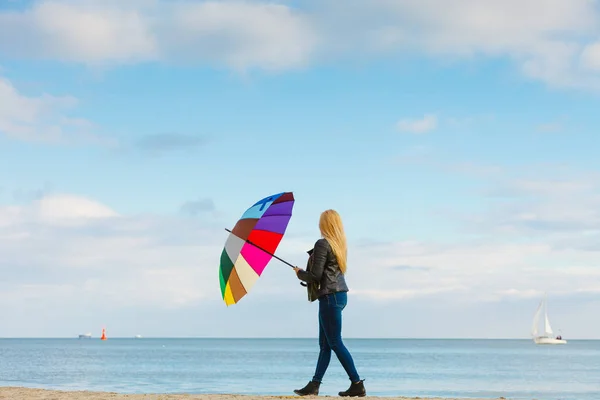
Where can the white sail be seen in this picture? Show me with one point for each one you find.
(536, 319)
(547, 327)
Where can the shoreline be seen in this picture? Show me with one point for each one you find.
(26, 393)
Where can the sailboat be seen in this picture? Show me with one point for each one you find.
(547, 337)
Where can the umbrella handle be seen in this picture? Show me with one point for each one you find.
(260, 248)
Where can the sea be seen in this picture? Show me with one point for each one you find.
(514, 369)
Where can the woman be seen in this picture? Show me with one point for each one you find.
(327, 270)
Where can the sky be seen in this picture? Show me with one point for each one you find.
(457, 139)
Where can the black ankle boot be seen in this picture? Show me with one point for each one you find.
(355, 390)
(311, 389)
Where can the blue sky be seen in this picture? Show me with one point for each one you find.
(458, 144)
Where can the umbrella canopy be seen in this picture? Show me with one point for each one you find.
(251, 244)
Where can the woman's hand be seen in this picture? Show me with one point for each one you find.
(296, 269)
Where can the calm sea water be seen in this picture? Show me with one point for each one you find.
(515, 369)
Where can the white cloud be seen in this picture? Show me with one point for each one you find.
(77, 255)
(590, 57)
(472, 272)
(239, 34)
(42, 118)
(557, 45)
(545, 44)
(87, 31)
(564, 204)
(103, 256)
(404, 294)
(536, 236)
(425, 124)
(67, 209)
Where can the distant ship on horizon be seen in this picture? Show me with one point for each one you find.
(85, 336)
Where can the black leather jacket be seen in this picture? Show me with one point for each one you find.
(324, 270)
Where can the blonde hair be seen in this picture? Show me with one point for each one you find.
(332, 229)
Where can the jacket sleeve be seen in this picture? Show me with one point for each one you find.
(318, 266)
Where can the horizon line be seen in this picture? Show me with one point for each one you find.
(280, 338)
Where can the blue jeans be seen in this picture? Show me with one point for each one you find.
(330, 336)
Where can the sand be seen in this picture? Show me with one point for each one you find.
(19, 393)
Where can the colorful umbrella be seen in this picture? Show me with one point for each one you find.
(251, 244)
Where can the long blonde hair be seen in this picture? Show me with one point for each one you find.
(332, 229)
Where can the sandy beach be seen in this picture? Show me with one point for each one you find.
(19, 393)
